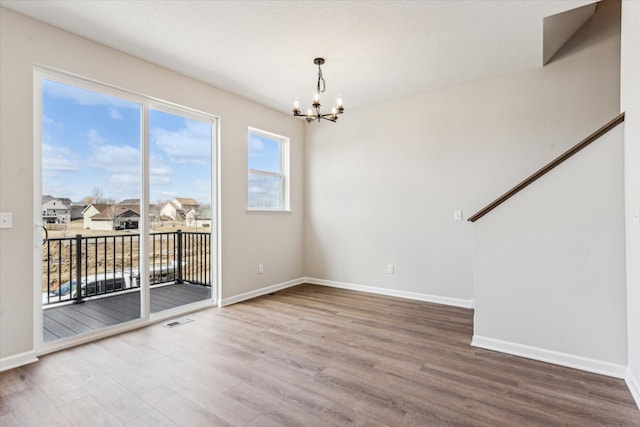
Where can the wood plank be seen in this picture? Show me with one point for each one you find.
(310, 355)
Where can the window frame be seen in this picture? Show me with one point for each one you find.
(284, 174)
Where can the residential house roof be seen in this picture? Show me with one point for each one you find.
(107, 211)
(64, 200)
(187, 201)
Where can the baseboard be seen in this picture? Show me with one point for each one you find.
(259, 292)
(456, 302)
(17, 360)
(634, 388)
(551, 356)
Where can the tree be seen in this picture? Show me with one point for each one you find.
(96, 195)
(154, 214)
(114, 213)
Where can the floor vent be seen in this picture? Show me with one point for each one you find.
(177, 322)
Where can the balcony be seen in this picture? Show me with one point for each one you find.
(91, 282)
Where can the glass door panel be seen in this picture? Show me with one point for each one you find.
(91, 170)
(181, 216)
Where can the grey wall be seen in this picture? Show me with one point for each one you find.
(550, 269)
(382, 184)
(276, 240)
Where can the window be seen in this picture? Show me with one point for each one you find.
(268, 164)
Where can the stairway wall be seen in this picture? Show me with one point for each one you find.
(550, 269)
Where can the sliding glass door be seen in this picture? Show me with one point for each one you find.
(125, 206)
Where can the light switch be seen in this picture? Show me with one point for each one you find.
(6, 220)
(457, 215)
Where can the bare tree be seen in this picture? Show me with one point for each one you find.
(197, 213)
(96, 195)
(154, 213)
(87, 200)
(114, 212)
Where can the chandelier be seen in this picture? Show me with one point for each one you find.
(312, 115)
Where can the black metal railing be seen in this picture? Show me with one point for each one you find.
(79, 267)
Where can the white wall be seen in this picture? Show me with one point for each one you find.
(630, 104)
(382, 184)
(550, 269)
(276, 240)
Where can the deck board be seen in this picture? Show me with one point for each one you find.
(74, 319)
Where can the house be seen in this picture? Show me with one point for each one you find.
(56, 210)
(375, 197)
(76, 211)
(110, 217)
(198, 217)
(176, 209)
(117, 216)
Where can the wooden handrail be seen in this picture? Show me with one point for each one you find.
(549, 166)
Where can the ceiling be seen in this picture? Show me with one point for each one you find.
(264, 50)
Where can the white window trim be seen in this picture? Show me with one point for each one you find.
(285, 144)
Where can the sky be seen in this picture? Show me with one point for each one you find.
(263, 154)
(91, 140)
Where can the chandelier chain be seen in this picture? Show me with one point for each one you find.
(322, 85)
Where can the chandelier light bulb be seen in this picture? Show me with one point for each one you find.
(339, 101)
(296, 105)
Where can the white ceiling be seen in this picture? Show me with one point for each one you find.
(264, 50)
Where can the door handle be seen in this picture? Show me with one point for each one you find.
(46, 234)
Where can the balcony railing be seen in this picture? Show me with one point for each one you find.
(77, 268)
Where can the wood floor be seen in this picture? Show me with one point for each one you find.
(75, 319)
(308, 356)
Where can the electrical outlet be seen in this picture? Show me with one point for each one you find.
(260, 268)
(6, 220)
(390, 269)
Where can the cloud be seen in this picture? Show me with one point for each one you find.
(94, 138)
(115, 114)
(56, 184)
(124, 186)
(159, 172)
(263, 191)
(264, 153)
(257, 189)
(159, 180)
(202, 188)
(191, 144)
(51, 122)
(115, 158)
(83, 96)
(58, 159)
(256, 145)
(112, 158)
